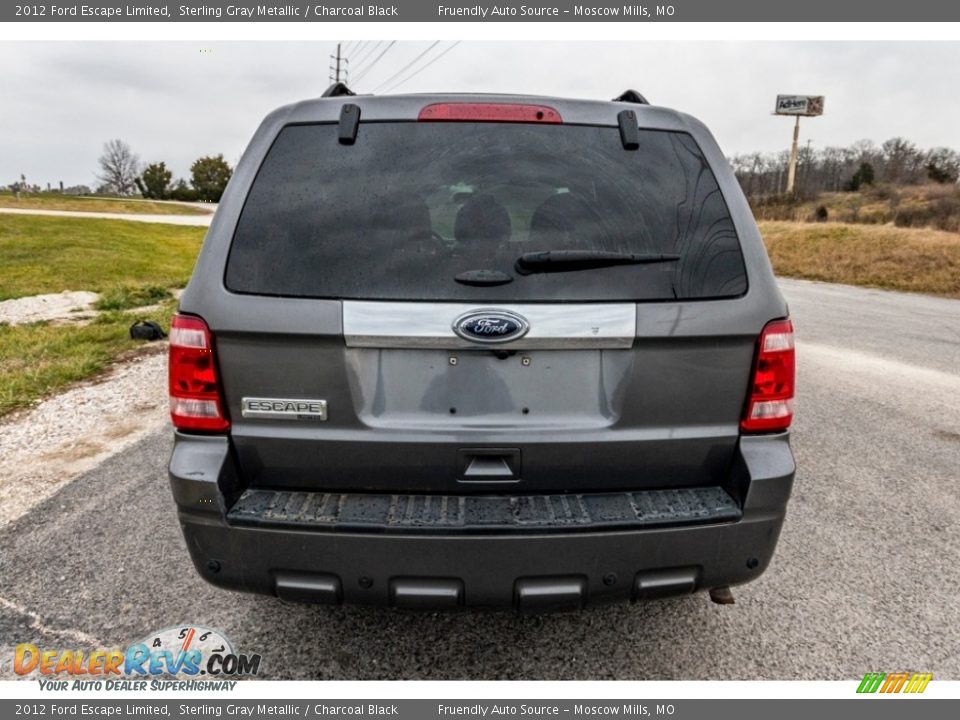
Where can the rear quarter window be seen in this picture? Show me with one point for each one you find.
(411, 205)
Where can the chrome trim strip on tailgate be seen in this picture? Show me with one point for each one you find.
(430, 325)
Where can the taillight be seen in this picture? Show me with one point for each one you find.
(770, 405)
(195, 398)
(490, 112)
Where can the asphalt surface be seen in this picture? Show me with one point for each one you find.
(865, 578)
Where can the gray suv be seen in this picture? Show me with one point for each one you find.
(446, 351)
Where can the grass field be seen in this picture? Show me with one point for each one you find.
(882, 256)
(130, 264)
(52, 201)
(49, 255)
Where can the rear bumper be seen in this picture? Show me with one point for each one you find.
(530, 570)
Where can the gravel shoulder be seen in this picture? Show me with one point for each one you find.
(52, 306)
(47, 446)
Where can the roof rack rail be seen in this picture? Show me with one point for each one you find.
(338, 89)
(631, 96)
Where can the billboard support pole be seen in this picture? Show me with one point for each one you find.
(797, 105)
(792, 169)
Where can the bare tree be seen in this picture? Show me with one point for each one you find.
(119, 167)
(902, 160)
(942, 165)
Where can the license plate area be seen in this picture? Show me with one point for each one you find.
(484, 388)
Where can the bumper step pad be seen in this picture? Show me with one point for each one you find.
(482, 513)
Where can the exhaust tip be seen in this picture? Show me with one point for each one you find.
(722, 595)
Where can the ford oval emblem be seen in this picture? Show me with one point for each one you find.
(490, 326)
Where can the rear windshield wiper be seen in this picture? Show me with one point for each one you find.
(548, 261)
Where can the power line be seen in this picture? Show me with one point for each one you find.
(370, 51)
(375, 61)
(410, 77)
(399, 72)
(370, 65)
(347, 49)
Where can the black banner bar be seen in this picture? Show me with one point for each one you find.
(466, 11)
(659, 709)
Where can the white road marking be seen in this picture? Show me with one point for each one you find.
(854, 362)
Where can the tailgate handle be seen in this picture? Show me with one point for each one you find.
(488, 464)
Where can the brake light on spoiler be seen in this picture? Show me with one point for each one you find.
(195, 393)
(489, 112)
(770, 403)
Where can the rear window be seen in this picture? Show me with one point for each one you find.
(411, 205)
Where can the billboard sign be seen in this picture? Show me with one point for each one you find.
(808, 105)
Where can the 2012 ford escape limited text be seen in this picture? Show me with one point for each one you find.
(446, 351)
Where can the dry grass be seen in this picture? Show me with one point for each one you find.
(882, 256)
(925, 206)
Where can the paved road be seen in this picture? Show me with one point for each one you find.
(201, 220)
(866, 576)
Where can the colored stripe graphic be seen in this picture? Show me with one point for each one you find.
(894, 682)
(918, 682)
(871, 682)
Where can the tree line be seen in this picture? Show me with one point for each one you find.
(835, 169)
(122, 173)
(897, 162)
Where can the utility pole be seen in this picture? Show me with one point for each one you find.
(339, 66)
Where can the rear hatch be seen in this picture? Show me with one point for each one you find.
(484, 306)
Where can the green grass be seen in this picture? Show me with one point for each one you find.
(41, 359)
(130, 264)
(81, 203)
(41, 255)
(124, 297)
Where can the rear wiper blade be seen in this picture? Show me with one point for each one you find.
(547, 261)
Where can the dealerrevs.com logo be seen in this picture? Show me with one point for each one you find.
(183, 652)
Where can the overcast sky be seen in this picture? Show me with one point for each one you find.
(176, 101)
